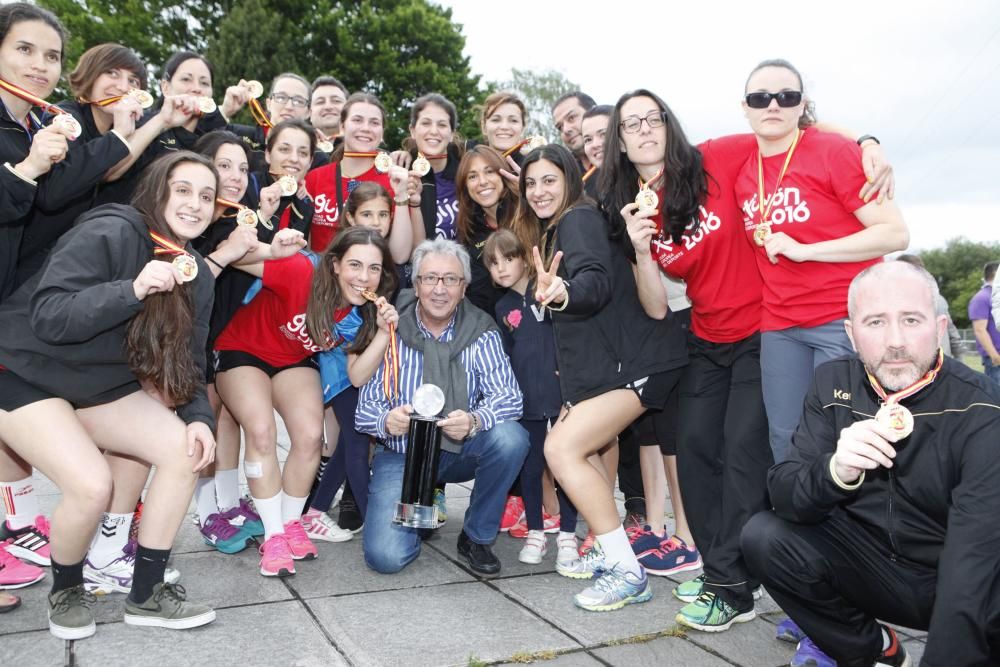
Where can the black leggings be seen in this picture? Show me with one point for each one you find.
(349, 460)
(531, 481)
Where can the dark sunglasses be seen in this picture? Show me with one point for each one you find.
(786, 98)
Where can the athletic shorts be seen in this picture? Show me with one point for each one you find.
(16, 393)
(655, 427)
(227, 360)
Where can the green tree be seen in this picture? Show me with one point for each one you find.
(958, 268)
(539, 90)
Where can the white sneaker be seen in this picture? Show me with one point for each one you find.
(320, 526)
(116, 576)
(568, 550)
(534, 548)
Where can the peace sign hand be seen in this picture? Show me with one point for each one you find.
(549, 287)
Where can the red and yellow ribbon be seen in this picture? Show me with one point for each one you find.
(434, 157)
(590, 172)
(360, 153)
(390, 379)
(165, 246)
(643, 184)
(765, 211)
(17, 91)
(516, 147)
(896, 397)
(259, 115)
(229, 204)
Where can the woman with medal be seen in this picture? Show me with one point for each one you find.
(503, 122)
(103, 343)
(594, 127)
(188, 73)
(288, 150)
(434, 156)
(614, 360)
(265, 363)
(357, 160)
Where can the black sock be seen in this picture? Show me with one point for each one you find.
(66, 576)
(149, 567)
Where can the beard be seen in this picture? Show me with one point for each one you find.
(897, 378)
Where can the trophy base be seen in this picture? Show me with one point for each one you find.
(416, 516)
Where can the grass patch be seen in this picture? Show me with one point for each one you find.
(476, 662)
(673, 631)
(524, 658)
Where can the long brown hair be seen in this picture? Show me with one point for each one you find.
(158, 340)
(325, 295)
(467, 207)
(527, 225)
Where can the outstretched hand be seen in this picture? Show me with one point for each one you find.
(549, 288)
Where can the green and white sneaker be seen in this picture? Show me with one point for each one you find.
(614, 589)
(689, 591)
(588, 566)
(70, 616)
(710, 613)
(167, 607)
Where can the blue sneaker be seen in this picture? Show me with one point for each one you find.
(642, 538)
(670, 556)
(710, 613)
(614, 589)
(789, 631)
(809, 655)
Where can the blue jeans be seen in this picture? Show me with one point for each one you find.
(787, 360)
(492, 458)
(992, 372)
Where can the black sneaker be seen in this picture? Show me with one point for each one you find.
(479, 557)
(350, 516)
(895, 655)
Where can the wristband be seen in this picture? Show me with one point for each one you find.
(842, 484)
(867, 137)
(208, 258)
(401, 202)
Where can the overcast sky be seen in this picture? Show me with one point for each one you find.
(924, 77)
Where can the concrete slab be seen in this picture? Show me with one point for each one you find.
(33, 648)
(660, 651)
(444, 625)
(750, 643)
(256, 626)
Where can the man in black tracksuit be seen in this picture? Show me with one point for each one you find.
(870, 523)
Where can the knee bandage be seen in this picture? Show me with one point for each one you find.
(253, 469)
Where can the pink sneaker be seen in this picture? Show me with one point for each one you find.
(550, 524)
(29, 543)
(14, 573)
(276, 558)
(512, 513)
(301, 546)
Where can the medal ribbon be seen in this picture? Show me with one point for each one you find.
(17, 91)
(513, 149)
(432, 157)
(360, 154)
(390, 380)
(644, 185)
(590, 172)
(229, 204)
(896, 397)
(765, 211)
(259, 115)
(165, 246)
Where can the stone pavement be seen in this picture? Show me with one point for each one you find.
(335, 611)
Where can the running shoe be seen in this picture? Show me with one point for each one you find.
(710, 613)
(588, 566)
(70, 616)
(14, 573)
(789, 631)
(167, 607)
(440, 502)
(689, 591)
(350, 516)
(895, 655)
(807, 654)
(319, 526)
(672, 556)
(534, 549)
(116, 576)
(614, 589)
(513, 513)
(245, 517)
(643, 539)
(218, 532)
(276, 557)
(550, 524)
(299, 543)
(588, 543)
(30, 543)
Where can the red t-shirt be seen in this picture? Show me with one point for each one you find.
(321, 184)
(272, 327)
(816, 202)
(723, 282)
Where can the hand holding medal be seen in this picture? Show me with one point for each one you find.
(388, 316)
(640, 226)
(68, 125)
(184, 263)
(647, 200)
(764, 204)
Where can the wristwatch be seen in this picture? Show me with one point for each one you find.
(477, 425)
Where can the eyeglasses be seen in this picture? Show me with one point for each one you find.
(786, 98)
(281, 98)
(432, 280)
(654, 119)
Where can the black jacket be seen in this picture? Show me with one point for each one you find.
(69, 179)
(526, 329)
(938, 506)
(481, 292)
(64, 330)
(604, 339)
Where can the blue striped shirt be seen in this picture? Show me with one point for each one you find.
(494, 394)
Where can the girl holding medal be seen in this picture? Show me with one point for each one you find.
(434, 157)
(86, 354)
(614, 360)
(187, 73)
(503, 122)
(289, 146)
(265, 363)
(357, 160)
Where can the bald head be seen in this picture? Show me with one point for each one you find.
(883, 276)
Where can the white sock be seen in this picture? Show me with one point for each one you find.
(110, 539)
(618, 551)
(204, 499)
(227, 488)
(291, 507)
(20, 502)
(269, 510)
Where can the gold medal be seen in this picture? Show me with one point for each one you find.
(70, 124)
(254, 88)
(206, 104)
(383, 163)
(761, 232)
(647, 201)
(421, 166)
(186, 266)
(536, 141)
(325, 146)
(289, 186)
(143, 97)
(246, 217)
(896, 418)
